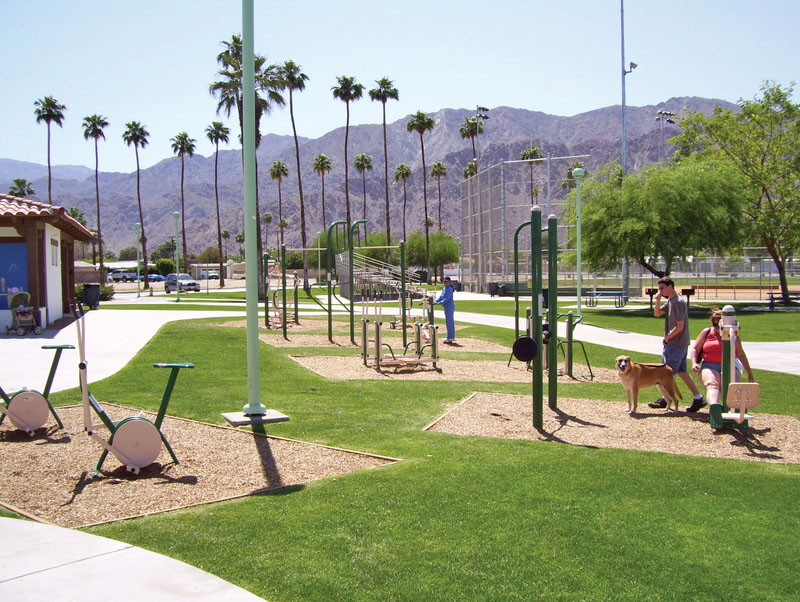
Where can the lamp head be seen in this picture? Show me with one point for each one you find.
(578, 173)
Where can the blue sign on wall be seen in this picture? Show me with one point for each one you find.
(13, 270)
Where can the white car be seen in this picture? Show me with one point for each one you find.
(184, 281)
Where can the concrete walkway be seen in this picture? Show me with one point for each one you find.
(44, 562)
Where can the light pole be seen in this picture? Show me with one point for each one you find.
(578, 174)
(663, 116)
(625, 72)
(480, 113)
(177, 216)
(138, 257)
(319, 257)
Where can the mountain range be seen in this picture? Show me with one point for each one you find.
(505, 135)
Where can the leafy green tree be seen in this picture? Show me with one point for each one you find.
(49, 110)
(183, 145)
(668, 211)
(403, 172)
(277, 172)
(421, 123)
(21, 188)
(127, 254)
(469, 128)
(363, 164)
(209, 255)
(293, 79)
(444, 250)
(347, 91)
(383, 92)
(165, 266)
(761, 142)
(439, 171)
(322, 165)
(93, 126)
(470, 170)
(217, 133)
(136, 135)
(529, 154)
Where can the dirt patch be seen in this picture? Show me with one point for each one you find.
(352, 368)
(771, 438)
(50, 476)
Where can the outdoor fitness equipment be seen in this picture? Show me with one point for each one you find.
(280, 315)
(28, 409)
(735, 395)
(135, 441)
(378, 359)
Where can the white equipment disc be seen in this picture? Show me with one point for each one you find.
(28, 411)
(138, 443)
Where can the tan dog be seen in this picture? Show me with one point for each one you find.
(636, 376)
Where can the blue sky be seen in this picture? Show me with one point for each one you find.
(152, 60)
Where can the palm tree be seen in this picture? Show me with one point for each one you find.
(292, 78)
(384, 92)
(363, 164)
(347, 90)
(322, 165)
(135, 134)
(93, 128)
(21, 188)
(282, 224)
(569, 179)
(217, 133)
(421, 123)
(471, 127)
(183, 145)
(403, 172)
(530, 153)
(439, 171)
(240, 240)
(226, 234)
(267, 219)
(277, 172)
(470, 170)
(49, 110)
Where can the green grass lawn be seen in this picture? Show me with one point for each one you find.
(463, 518)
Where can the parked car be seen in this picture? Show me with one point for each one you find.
(186, 282)
(121, 275)
(213, 275)
(154, 277)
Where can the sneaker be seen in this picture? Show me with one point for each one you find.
(659, 404)
(698, 403)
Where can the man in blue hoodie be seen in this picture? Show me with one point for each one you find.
(445, 299)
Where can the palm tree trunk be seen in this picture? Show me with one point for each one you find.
(141, 221)
(49, 174)
(280, 212)
(404, 210)
(183, 224)
(346, 168)
(219, 225)
(386, 183)
(323, 201)
(425, 199)
(97, 203)
(300, 189)
(364, 188)
(440, 202)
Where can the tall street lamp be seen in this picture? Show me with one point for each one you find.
(625, 72)
(578, 174)
(480, 113)
(663, 116)
(177, 216)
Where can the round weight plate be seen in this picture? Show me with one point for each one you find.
(525, 349)
(29, 410)
(137, 441)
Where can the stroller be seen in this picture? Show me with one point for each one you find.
(22, 319)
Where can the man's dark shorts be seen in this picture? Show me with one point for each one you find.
(675, 358)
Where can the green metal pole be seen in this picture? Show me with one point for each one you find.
(516, 277)
(177, 216)
(570, 328)
(536, 294)
(266, 297)
(352, 284)
(283, 309)
(403, 290)
(552, 311)
(329, 260)
(254, 405)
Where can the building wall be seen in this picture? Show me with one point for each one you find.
(52, 266)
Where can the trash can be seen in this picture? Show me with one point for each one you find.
(494, 289)
(456, 285)
(91, 295)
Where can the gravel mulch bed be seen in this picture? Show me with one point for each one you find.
(352, 368)
(771, 438)
(50, 476)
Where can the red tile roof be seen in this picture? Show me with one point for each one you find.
(12, 206)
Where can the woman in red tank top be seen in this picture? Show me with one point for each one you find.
(707, 357)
